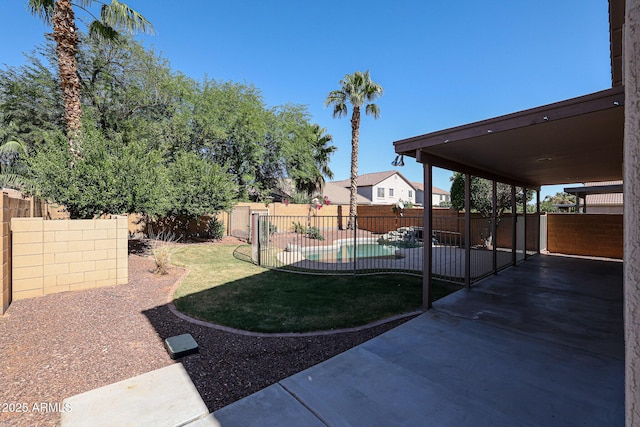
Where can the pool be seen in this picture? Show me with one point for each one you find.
(344, 253)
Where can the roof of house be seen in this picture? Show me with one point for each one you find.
(611, 199)
(604, 198)
(339, 195)
(435, 190)
(371, 179)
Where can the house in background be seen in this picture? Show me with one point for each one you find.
(339, 195)
(383, 188)
(605, 203)
(439, 197)
(599, 197)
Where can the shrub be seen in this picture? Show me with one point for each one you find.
(299, 228)
(272, 228)
(162, 249)
(215, 229)
(314, 233)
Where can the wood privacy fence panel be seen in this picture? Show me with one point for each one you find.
(66, 255)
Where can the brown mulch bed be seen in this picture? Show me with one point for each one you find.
(59, 345)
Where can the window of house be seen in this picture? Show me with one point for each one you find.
(391, 192)
(380, 192)
(410, 193)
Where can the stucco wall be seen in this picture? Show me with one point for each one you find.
(66, 255)
(400, 191)
(632, 211)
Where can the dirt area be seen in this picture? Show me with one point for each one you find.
(59, 345)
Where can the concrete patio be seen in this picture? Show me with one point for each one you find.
(540, 344)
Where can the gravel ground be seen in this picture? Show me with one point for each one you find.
(63, 344)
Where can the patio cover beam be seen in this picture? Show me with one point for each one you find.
(473, 171)
(594, 189)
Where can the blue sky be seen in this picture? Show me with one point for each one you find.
(441, 64)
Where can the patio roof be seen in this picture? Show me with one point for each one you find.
(576, 140)
(594, 189)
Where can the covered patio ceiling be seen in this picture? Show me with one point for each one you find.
(577, 140)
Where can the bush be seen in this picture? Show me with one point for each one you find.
(314, 233)
(299, 228)
(162, 249)
(215, 229)
(272, 228)
(109, 177)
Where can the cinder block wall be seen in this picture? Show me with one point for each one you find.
(11, 207)
(586, 234)
(66, 255)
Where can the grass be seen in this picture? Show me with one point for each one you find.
(225, 290)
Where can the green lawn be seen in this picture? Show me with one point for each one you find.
(224, 290)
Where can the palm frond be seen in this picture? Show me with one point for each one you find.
(373, 110)
(123, 18)
(99, 30)
(43, 9)
(17, 181)
(13, 147)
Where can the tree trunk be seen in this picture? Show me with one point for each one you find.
(65, 35)
(355, 135)
(632, 211)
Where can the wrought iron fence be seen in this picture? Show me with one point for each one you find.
(319, 245)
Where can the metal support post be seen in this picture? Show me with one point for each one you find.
(494, 225)
(467, 230)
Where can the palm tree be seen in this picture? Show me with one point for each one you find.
(13, 172)
(114, 17)
(357, 89)
(321, 151)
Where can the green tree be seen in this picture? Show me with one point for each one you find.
(356, 89)
(20, 86)
(560, 198)
(305, 150)
(125, 87)
(13, 152)
(131, 95)
(114, 17)
(230, 125)
(482, 197)
(198, 187)
(321, 152)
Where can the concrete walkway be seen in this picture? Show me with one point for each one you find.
(540, 344)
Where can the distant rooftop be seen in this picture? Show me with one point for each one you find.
(371, 179)
(435, 190)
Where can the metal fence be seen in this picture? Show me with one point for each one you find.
(318, 245)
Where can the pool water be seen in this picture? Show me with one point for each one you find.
(345, 253)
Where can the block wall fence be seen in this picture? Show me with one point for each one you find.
(138, 225)
(12, 205)
(586, 234)
(67, 255)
